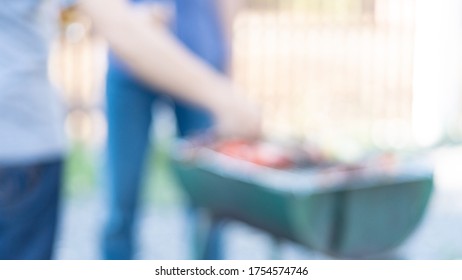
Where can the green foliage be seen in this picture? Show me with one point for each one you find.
(84, 169)
(80, 173)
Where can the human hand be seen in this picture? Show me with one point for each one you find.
(237, 117)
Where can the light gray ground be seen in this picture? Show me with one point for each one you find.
(163, 233)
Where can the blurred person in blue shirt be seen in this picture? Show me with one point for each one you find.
(32, 145)
(31, 136)
(203, 26)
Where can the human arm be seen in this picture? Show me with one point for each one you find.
(157, 57)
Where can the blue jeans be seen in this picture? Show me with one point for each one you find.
(29, 200)
(129, 114)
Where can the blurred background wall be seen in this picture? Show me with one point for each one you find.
(348, 74)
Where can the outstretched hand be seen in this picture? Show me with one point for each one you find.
(237, 117)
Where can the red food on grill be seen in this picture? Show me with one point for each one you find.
(263, 154)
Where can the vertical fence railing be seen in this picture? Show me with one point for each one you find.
(326, 71)
(330, 69)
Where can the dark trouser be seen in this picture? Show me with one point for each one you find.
(29, 201)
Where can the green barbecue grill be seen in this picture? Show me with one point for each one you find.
(338, 214)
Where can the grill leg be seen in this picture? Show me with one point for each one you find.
(276, 248)
(207, 235)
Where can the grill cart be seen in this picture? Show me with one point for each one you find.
(343, 212)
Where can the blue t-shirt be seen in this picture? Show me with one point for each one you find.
(31, 118)
(197, 25)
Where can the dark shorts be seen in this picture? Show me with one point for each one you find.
(29, 202)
